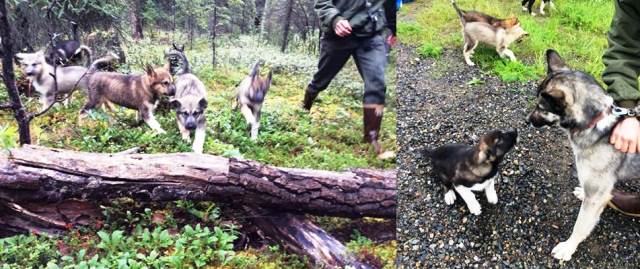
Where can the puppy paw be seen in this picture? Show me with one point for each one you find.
(470, 63)
(197, 149)
(524, 8)
(161, 131)
(542, 13)
(492, 197)
(533, 14)
(186, 138)
(579, 193)
(475, 209)
(564, 250)
(449, 197)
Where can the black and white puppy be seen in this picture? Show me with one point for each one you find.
(466, 168)
(527, 5)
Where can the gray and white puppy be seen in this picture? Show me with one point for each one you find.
(190, 101)
(498, 33)
(574, 100)
(38, 71)
(250, 96)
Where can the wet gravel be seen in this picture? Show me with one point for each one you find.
(536, 209)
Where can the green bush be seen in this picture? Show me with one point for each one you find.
(429, 50)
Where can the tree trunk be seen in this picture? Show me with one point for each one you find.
(263, 18)
(19, 111)
(44, 190)
(287, 24)
(136, 19)
(214, 24)
(301, 236)
(45, 175)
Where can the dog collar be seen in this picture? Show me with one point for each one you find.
(596, 119)
(624, 112)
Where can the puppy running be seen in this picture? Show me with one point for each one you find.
(250, 96)
(575, 101)
(499, 33)
(68, 78)
(527, 5)
(465, 168)
(140, 92)
(189, 101)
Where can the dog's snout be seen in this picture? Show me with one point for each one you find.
(172, 90)
(191, 124)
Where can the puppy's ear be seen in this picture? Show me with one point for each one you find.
(18, 57)
(202, 103)
(555, 62)
(149, 70)
(481, 155)
(557, 97)
(175, 104)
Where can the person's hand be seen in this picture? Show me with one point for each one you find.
(626, 135)
(392, 40)
(343, 28)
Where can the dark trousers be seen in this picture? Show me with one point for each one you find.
(370, 56)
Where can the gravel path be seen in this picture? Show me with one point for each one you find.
(536, 209)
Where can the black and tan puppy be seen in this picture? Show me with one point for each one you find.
(465, 168)
(250, 96)
(140, 92)
(527, 5)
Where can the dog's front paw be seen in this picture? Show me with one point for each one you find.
(449, 197)
(161, 131)
(564, 250)
(197, 149)
(475, 208)
(186, 137)
(579, 193)
(542, 13)
(525, 8)
(492, 197)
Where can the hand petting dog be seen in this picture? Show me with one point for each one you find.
(626, 136)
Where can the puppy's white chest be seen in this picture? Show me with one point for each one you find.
(481, 186)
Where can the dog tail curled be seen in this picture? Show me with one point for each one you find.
(87, 51)
(459, 11)
(97, 64)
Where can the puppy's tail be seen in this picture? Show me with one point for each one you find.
(97, 64)
(459, 11)
(87, 51)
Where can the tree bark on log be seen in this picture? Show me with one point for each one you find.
(45, 190)
(39, 174)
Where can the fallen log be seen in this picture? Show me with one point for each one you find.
(39, 174)
(47, 190)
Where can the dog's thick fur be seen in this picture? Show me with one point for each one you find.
(190, 101)
(140, 92)
(527, 5)
(576, 102)
(498, 33)
(465, 168)
(250, 96)
(39, 72)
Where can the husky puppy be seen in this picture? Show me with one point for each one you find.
(140, 92)
(189, 101)
(39, 72)
(250, 96)
(465, 168)
(527, 5)
(498, 33)
(575, 101)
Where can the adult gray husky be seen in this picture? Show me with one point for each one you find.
(190, 101)
(576, 102)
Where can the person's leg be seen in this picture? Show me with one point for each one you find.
(371, 61)
(332, 59)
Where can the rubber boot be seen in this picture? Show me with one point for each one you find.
(309, 97)
(372, 121)
(625, 203)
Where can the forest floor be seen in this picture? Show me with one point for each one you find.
(441, 100)
(328, 138)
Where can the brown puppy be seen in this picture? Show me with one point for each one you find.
(140, 92)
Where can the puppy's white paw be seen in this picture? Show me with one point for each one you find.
(579, 193)
(524, 8)
(475, 209)
(161, 131)
(197, 149)
(492, 197)
(450, 197)
(533, 14)
(542, 13)
(564, 250)
(470, 63)
(186, 138)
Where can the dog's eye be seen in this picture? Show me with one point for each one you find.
(166, 83)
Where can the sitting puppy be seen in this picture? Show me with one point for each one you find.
(527, 5)
(140, 92)
(250, 97)
(499, 33)
(189, 101)
(38, 71)
(464, 168)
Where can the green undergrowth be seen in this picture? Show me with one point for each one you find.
(577, 29)
(186, 235)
